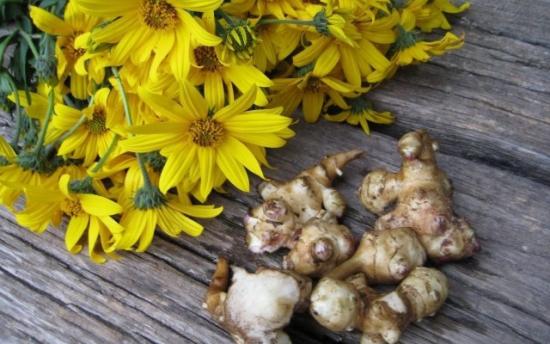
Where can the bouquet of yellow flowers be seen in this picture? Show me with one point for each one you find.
(140, 108)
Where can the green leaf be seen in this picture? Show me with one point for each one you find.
(4, 44)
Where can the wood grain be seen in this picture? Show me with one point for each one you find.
(488, 105)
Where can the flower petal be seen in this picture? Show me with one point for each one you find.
(312, 106)
(49, 23)
(162, 105)
(148, 233)
(177, 165)
(107, 8)
(327, 61)
(239, 106)
(75, 230)
(243, 155)
(99, 206)
(200, 211)
(258, 122)
(179, 222)
(150, 142)
(232, 169)
(192, 101)
(207, 159)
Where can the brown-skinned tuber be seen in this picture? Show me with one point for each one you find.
(422, 195)
(320, 246)
(256, 307)
(301, 214)
(346, 305)
(385, 257)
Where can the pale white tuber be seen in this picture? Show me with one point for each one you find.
(422, 195)
(338, 305)
(384, 257)
(256, 307)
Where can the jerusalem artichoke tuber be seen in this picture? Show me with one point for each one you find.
(288, 205)
(338, 306)
(422, 193)
(319, 248)
(384, 257)
(256, 307)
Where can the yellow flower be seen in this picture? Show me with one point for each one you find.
(141, 27)
(97, 126)
(422, 51)
(311, 90)
(28, 170)
(141, 218)
(409, 49)
(132, 178)
(431, 14)
(360, 112)
(13, 177)
(265, 55)
(36, 105)
(277, 8)
(67, 30)
(89, 217)
(199, 144)
(358, 55)
(239, 39)
(134, 77)
(219, 78)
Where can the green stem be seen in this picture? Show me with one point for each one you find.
(28, 38)
(68, 101)
(286, 21)
(105, 157)
(46, 123)
(19, 123)
(147, 181)
(72, 130)
(122, 91)
(225, 16)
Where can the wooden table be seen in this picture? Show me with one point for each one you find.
(487, 104)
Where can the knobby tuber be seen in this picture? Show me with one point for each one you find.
(422, 193)
(301, 214)
(257, 306)
(288, 205)
(320, 246)
(339, 305)
(384, 257)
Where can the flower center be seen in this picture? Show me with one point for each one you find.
(71, 52)
(206, 132)
(314, 85)
(96, 125)
(158, 14)
(207, 59)
(71, 207)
